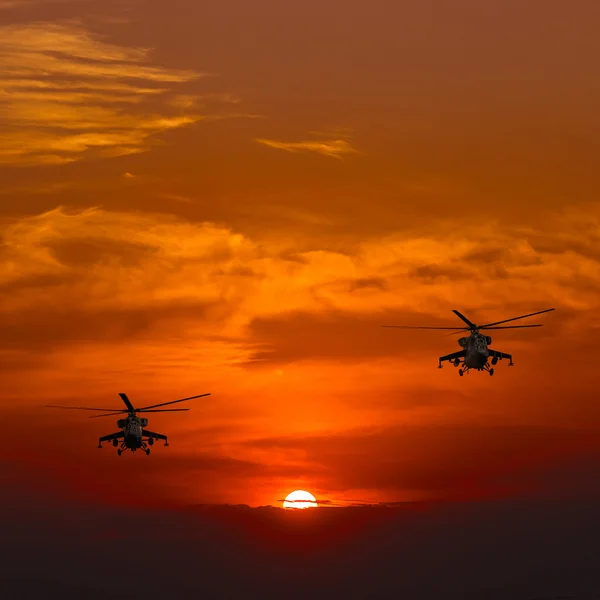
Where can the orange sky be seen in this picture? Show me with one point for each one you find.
(232, 197)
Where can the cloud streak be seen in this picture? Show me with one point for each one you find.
(333, 148)
(67, 94)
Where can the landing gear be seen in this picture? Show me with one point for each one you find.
(151, 441)
(147, 451)
(461, 372)
(491, 372)
(511, 363)
(119, 452)
(115, 443)
(456, 362)
(495, 360)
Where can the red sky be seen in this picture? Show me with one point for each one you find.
(232, 197)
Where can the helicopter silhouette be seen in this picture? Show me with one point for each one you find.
(476, 351)
(133, 433)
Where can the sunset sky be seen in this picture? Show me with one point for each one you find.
(232, 197)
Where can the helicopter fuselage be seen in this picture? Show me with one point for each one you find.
(132, 435)
(133, 427)
(476, 350)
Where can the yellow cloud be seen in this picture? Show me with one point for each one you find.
(174, 247)
(67, 97)
(191, 101)
(333, 148)
(66, 92)
(176, 198)
(105, 86)
(125, 260)
(122, 295)
(37, 40)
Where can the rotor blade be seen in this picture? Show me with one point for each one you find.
(411, 327)
(516, 318)
(144, 408)
(501, 327)
(461, 316)
(126, 401)
(81, 408)
(164, 410)
(510, 327)
(109, 414)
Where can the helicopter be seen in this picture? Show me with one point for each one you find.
(133, 433)
(476, 351)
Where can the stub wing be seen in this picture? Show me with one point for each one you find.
(112, 436)
(453, 356)
(496, 354)
(151, 434)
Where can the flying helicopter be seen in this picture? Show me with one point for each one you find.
(133, 433)
(476, 351)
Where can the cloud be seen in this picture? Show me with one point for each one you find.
(192, 101)
(335, 148)
(267, 292)
(101, 300)
(119, 249)
(107, 298)
(302, 335)
(67, 93)
(496, 551)
(335, 132)
(177, 198)
(446, 461)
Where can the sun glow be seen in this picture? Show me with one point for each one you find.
(300, 499)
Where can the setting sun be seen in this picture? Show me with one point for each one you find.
(300, 499)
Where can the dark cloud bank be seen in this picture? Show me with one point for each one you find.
(505, 550)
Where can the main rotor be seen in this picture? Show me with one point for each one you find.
(473, 328)
(129, 408)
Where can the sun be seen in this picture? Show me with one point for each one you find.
(300, 499)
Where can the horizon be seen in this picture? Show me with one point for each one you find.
(466, 551)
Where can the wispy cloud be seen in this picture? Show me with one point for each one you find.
(66, 92)
(177, 198)
(343, 133)
(148, 257)
(192, 101)
(336, 148)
